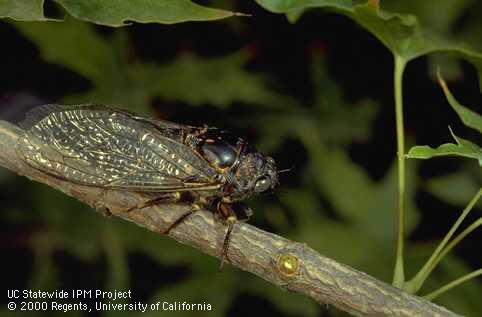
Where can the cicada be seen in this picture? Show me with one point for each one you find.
(99, 146)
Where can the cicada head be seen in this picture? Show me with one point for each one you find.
(255, 173)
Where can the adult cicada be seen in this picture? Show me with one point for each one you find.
(99, 146)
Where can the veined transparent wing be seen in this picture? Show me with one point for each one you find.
(100, 146)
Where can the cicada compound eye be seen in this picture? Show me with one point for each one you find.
(262, 184)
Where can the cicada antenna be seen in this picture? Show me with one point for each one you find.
(285, 170)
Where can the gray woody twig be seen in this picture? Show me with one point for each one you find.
(288, 264)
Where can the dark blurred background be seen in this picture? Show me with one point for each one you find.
(316, 95)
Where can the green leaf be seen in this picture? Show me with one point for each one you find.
(402, 34)
(456, 188)
(293, 16)
(70, 44)
(462, 148)
(218, 81)
(370, 206)
(336, 118)
(121, 12)
(469, 118)
(346, 239)
(23, 10)
(311, 207)
(348, 243)
(440, 20)
(341, 240)
(117, 12)
(285, 6)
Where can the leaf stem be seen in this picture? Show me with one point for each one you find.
(456, 240)
(399, 275)
(452, 284)
(442, 249)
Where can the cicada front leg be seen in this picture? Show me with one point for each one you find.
(231, 214)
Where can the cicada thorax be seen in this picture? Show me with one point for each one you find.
(222, 151)
(220, 154)
(219, 148)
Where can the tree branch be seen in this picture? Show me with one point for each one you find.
(291, 265)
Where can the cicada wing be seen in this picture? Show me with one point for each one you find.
(37, 114)
(99, 146)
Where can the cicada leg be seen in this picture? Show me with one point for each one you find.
(166, 198)
(169, 198)
(231, 214)
(231, 220)
(178, 221)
